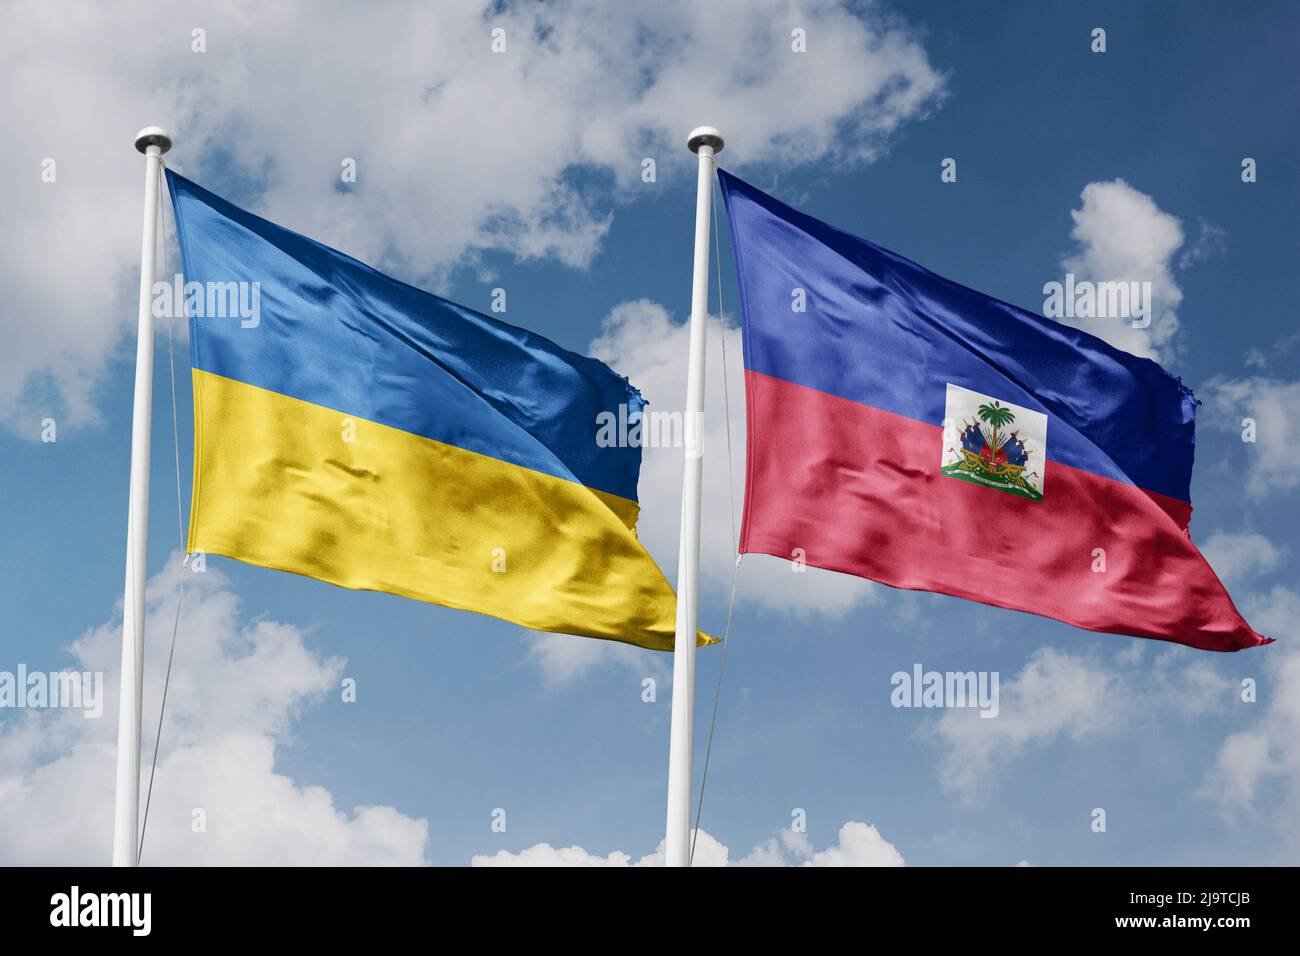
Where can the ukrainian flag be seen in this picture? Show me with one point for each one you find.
(354, 429)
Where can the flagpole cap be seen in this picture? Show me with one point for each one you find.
(153, 136)
(705, 136)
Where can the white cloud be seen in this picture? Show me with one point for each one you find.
(1257, 770)
(460, 150)
(1272, 461)
(1278, 354)
(1123, 236)
(641, 341)
(543, 854)
(1211, 241)
(238, 687)
(776, 851)
(709, 851)
(1235, 556)
(860, 844)
(1056, 694)
(563, 658)
(1077, 697)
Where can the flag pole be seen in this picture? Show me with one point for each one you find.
(704, 142)
(152, 141)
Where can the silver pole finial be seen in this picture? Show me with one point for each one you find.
(153, 136)
(705, 136)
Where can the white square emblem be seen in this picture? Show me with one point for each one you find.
(994, 443)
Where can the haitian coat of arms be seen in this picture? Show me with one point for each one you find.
(994, 443)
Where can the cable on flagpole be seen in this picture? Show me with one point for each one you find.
(171, 360)
(731, 488)
(180, 526)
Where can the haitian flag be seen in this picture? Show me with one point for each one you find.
(906, 429)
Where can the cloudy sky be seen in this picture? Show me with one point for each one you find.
(522, 169)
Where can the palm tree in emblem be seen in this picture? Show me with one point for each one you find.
(995, 416)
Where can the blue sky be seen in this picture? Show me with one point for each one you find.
(473, 175)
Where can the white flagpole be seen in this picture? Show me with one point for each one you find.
(153, 142)
(704, 142)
